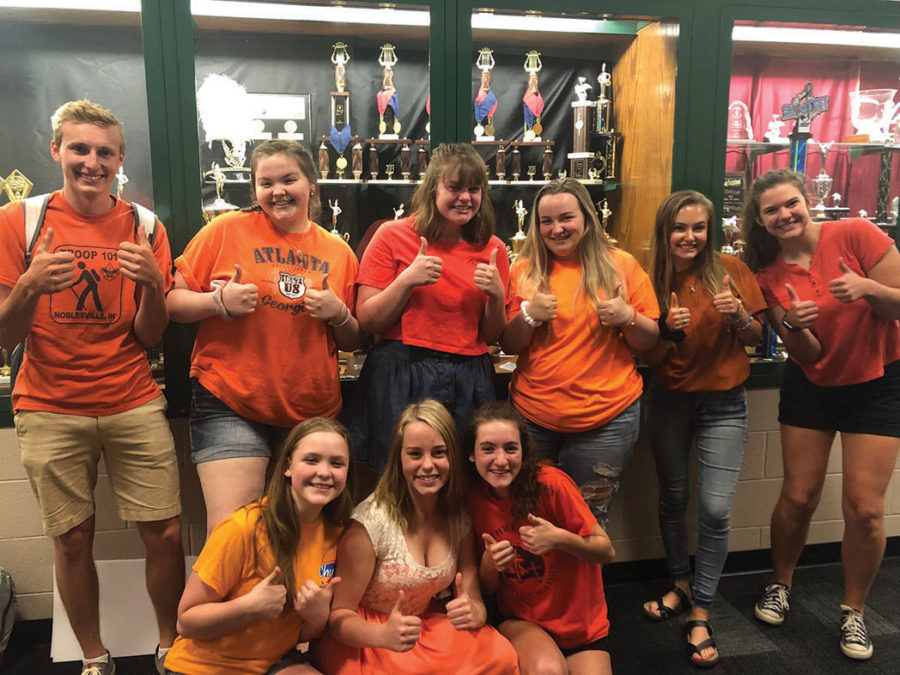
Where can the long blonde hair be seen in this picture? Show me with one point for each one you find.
(447, 160)
(597, 268)
(392, 491)
(662, 268)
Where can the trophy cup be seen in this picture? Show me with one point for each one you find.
(486, 100)
(387, 97)
(121, 179)
(871, 111)
(603, 103)
(340, 134)
(16, 186)
(218, 206)
(335, 212)
(532, 101)
(822, 183)
(518, 239)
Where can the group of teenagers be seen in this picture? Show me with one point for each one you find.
(509, 500)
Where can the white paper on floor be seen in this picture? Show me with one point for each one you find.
(127, 621)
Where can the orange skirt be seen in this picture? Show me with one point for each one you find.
(441, 649)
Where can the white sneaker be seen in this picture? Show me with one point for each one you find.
(773, 605)
(99, 667)
(855, 642)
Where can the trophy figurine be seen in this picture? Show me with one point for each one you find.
(822, 183)
(604, 211)
(773, 133)
(581, 89)
(340, 58)
(389, 171)
(603, 103)
(532, 101)
(16, 186)
(518, 239)
(335, 212)
(387, 96)
(218, 206)
(398, 212)
(121, 179)
(486, 100)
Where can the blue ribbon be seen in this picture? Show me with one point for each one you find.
(340, 139)
(485, 107)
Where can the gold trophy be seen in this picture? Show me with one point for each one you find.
(121, 179)
(16, 186)
(335, 212)
(340, 134)
(518, 239)
(387, 97)
(218, 206)
(604, 211)
(534, 102)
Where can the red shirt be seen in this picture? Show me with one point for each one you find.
(856, 342)
(557, 591)
(443, 316)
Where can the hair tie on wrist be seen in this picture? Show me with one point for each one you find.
(667, 333)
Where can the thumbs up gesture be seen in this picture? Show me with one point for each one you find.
(313, 602)
(424, 269)
(801, 313)
(239, 299)
(487, 277)
(137, 262)
(400, 632)
(50, 272)
(539, 536)
(500, 554)
(266, 599)
(615, 312)
(463, 613)
(849, 286)
(725, 301)
(324, 304)
(678, 317)
(543, 304)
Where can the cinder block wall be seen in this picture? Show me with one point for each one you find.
(28, 554)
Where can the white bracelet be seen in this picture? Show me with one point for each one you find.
(523, 308)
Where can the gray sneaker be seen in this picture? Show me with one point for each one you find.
(160, 661)
(99, 668)
(773, 605)
(855, 642)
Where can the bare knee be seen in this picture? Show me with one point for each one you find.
(545, 664)
(864, 515)
(161, 535)
(799, 503)
(77, 543)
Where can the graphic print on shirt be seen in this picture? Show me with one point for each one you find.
(95, 297)
(529, 573)
(287, 284)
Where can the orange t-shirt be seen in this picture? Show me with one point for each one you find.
(81, 355)
(565, 380)
(226, 565)
(277, 365)
(711, 357)
(444, 316)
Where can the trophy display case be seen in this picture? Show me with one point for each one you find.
(821, 100)
(47, 63)
(556, 93)
(350, 82)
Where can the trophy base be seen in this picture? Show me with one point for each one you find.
(479, 139)
(388, 137)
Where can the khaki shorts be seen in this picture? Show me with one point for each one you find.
(60, 453)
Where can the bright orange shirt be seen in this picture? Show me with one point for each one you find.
(567, 380)
(226, 565)
(82, 356)
(711, 357)
(277, 365)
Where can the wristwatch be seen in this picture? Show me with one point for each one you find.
(787, 324)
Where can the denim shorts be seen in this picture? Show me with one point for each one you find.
(865, 408)
(218, 432)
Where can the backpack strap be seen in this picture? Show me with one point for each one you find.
(35, 210)
(144, 217)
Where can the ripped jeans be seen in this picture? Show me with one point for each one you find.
(595, 459)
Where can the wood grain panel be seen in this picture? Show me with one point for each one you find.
(644, 112)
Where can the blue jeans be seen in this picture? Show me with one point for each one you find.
(595, 459)
(717, 421)
(218, 432)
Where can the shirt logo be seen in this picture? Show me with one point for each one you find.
(291, 286)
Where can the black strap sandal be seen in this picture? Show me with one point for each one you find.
(666, 612)
(698, 649)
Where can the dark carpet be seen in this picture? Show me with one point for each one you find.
(807, 643)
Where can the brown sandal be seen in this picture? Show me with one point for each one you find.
(666, 612)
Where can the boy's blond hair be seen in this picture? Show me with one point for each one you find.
(84, 112)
